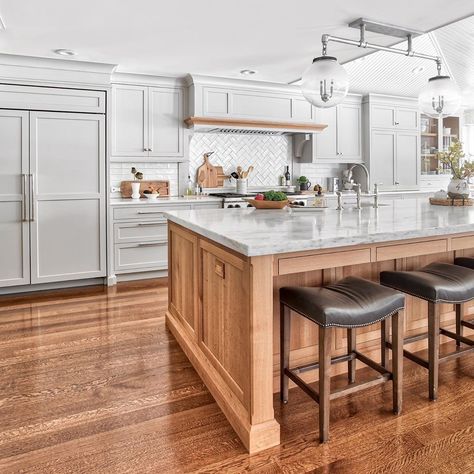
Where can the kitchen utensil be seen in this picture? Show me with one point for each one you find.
(239, 171)
(207, 173)
(241, 186)
(245, 174)
(267, 204)
(234, 175)
(159, 186)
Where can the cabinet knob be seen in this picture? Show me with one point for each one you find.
(396, 182)
(397, 123)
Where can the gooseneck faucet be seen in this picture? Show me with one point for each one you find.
(366, 171)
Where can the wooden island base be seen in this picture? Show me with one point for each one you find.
(224, 312)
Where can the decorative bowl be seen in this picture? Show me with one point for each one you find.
(151, 197)
(267, 204)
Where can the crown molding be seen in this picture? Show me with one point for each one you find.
(147, 79)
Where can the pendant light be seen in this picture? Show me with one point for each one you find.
(325, 83)
(441, 97)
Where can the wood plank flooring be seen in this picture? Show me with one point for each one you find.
(91, 381)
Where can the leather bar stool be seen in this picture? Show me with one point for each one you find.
(436, 283)
(467, 262)
(350, 303)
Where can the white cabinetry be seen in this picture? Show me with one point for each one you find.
(147, 122)
(341, 141)
(140, 237)
(392, 142)
(52, 192)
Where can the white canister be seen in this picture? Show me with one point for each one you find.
(135, 190)
(241, 186)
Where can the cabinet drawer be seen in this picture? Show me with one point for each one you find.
(140, 232)
(460, 243)
(141, 256)
(146, 212)
(390, 252)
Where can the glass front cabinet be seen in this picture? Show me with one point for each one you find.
(436, 135)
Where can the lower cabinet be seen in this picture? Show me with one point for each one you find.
(140, 236)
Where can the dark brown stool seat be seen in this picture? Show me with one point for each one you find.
(467, 262)
(436, 283)
(350, 303)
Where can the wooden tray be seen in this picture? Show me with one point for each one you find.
(267, 204)
(163, 187)
(451, 202)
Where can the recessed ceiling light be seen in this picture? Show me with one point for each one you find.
(248, 72)
(65, 52)
(417, 70)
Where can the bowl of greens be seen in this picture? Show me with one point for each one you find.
(269, 200)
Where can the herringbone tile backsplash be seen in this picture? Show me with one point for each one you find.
(268, 154)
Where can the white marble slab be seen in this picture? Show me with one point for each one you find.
(254, 232)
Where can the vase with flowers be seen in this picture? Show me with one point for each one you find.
(461, 170)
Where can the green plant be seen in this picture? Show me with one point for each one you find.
(275, 196)
(302, 180)
(453, 158)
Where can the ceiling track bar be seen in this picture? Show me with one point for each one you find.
(362, 43)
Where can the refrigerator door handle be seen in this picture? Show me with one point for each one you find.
(33, 204)
(23, 198)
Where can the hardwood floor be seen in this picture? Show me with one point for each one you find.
(91, 381)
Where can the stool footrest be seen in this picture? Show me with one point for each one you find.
(456, 354)
(409, 355)
(315, 365)
(356, 387)
(386, 375)
(454, 336)
(468, 324)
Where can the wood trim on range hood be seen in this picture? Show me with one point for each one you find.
(223, 124)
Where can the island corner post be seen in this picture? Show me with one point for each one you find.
(223, 310)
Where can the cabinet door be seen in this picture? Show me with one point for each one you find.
(67, 160)
(407, 167)
(14, 226)
(326, 141)
(382, 161)
(349, 132)
(406, 119)
(129, 121)
(382, 116)
(165, 122)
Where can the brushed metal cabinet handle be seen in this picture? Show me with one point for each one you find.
(24, 197)
(33, 204)
(149, 212)
(152, 244)
(144, 224)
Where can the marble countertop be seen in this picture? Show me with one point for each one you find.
(163, 200)
(254, 232)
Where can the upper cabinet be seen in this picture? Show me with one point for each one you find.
(147, 122)
(392, 141)
(341, 141)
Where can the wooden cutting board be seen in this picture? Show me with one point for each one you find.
(221, 176)
(206, 174)
(163, 187)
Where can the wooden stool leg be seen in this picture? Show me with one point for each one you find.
(397, 362)
(351, 347)
(433, 349)
(459, 318)
(284, 351)
(384, 336)
(324, 381)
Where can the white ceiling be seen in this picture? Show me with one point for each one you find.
(277, 38)
(383, 72)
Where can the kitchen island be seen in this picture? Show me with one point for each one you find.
(226, 268)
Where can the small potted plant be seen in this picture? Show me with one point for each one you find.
(137, 177)
(304, 183)
(461, 171)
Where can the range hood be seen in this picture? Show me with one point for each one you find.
(250, 127)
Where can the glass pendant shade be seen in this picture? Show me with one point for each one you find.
(440, 98)
(325, 83)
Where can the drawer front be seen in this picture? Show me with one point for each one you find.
(460, 243)
(146, 212)
(141, 257)
(208, 205)
(390, 252)
(140, 232)
(321, 261)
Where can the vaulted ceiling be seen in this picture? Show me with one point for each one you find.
(387, 73)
